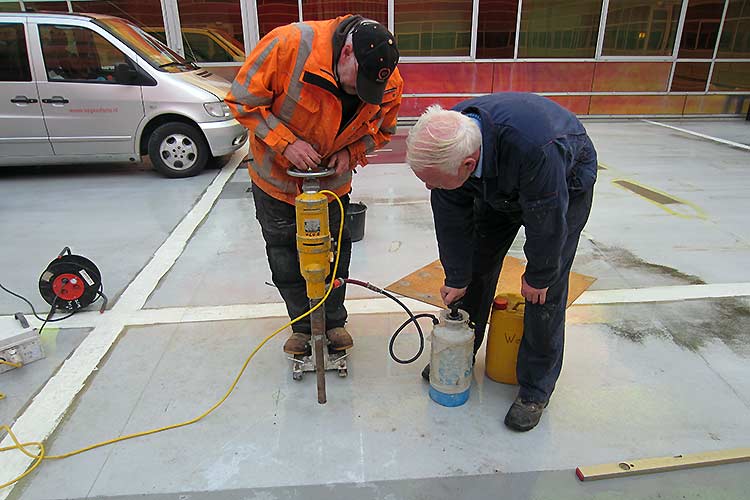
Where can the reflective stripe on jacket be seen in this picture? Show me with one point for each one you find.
(287, 90)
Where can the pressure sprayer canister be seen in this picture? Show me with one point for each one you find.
(451, 359)
(504, 338)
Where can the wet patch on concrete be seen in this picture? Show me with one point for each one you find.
(636, 331)
(691, 324)
(624, 259)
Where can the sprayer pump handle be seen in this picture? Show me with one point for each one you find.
(454, 314)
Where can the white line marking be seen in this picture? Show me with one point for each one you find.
(46, 410)
(663, 294)
(196, 314)
(704, 136)
(401, 203)
(172, 315)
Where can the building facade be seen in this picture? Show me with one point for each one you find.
(596, 57)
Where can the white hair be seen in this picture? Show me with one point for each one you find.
(442, 139)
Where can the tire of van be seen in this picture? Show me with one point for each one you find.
(178, 150)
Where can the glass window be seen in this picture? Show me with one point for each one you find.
(690, 76)
(735, 36)
(496, 31)
(50, 5)
(212, 30)
(10, 6)
(442, 30)
(275, 13)
(730, 76)
(641, 27)
(317, 10)
(144, 13)
(14, 59)
(147, 46)
(559, 28)
(701, 28)
(72, 53)
(208, 45)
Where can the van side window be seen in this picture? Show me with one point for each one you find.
(76, 54)
(14, 59)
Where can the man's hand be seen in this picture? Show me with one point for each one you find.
(340, 161)
(533, 295)
(450, 295)
(302, 155)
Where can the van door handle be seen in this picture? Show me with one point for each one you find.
(22, 99)
(56, 100)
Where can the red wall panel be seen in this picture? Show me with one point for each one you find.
(412, 107)
(544, 77)
(446, 78)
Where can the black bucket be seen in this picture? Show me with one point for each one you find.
(355, 218)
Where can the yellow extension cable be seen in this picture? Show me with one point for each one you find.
(41, 454)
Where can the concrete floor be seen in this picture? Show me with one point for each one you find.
(653, 374)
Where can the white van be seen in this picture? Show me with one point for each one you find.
(88, 88)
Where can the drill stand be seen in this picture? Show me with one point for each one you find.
(335, 360)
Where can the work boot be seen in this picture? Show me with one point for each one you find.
(297, 344)
(524, 415)
(426, 372)
(340, 339)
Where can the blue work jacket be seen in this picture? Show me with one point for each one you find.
(536, 155)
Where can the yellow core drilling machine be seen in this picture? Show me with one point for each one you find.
(315, 257)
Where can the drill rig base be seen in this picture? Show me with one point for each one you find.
(335, 360)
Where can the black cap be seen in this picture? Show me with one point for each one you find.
(377, 56)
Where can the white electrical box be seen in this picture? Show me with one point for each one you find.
(18, 344)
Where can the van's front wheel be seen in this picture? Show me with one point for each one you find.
(178, 150)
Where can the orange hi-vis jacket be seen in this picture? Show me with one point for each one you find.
(287, 90)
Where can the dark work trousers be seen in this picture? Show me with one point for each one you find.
(277, 221)
(541, 351)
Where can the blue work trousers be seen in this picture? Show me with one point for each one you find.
(540, 354)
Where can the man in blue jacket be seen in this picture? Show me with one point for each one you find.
(496, 163)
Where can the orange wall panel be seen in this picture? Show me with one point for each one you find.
(578, 104)
(446, 78)
(544, 77)
(637, 105)
(716, 104)
(631, 76)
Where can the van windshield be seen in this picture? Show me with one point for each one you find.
(149, 48)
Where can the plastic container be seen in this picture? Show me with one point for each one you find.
(504, 338)
(451, 359)
(355, 218)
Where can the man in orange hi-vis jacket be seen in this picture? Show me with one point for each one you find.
(314, 94)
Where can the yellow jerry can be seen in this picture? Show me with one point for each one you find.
(504, 338)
